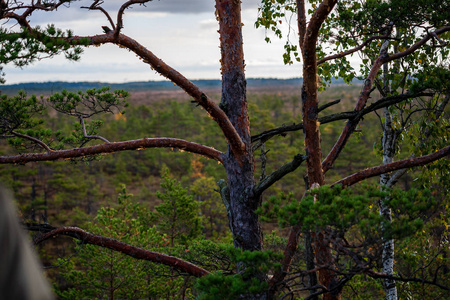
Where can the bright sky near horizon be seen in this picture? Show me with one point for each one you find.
(182, 33)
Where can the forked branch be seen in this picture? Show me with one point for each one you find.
(366, 90)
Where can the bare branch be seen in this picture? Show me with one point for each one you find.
(353, 50)
(96, 6)
(115, 147)
(165, 70)
(377, 275)
(278, 174)
(350, 115)
(288, 254)
(90, 136)
(326, 105)
(34, 140)
(351, 124)
(121, 12)
(417, 45)
(126, 249)
(401, 164)
(382, 58)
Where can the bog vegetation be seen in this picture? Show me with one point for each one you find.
(255, 209)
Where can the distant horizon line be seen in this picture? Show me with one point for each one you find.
(143, 81)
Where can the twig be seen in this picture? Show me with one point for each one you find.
(35, 140)
(90, 136)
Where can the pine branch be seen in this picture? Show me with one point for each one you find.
(135, 252)
(401, 164)
(115, 147)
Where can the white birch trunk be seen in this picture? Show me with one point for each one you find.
(388, 143)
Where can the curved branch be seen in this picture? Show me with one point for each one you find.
(126, 249)
(121, 12)
(278, 174)
(96, 6)
(350, 126)
(236, 143)
(401, 164)
(34, 140)
(366, 90)
(377, 275)
(353, 50)
(90, 136)
(288, 254)
(115, 147)
(417, 45)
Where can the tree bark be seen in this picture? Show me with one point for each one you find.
(243, 201)
(315, 174)
(389, 142)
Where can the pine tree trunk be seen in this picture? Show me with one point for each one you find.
(244, 223)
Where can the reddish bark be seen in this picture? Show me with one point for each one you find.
(127, 249)
(115, 147)
(288, 254)
(244, 222)
(401, 164)
(165, 70)
(312, 133)
(365, 93)
(350, 126)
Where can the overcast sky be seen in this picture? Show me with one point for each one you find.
(181, 32)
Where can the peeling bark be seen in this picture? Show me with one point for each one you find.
(311, 131)
(244, 222)
(388, 142)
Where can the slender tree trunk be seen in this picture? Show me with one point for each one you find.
(308, 34)
(388, 143)
(309, 258)
(388, 245)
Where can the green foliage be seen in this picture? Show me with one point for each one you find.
(89, 103)
(24, 47)
(342, 210)
(18, 112)
(21, 115)
(352, 22)
(218, 285)
(178, 214)
(103, 273)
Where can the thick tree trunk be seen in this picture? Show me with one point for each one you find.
(239, 166)
(243, 202)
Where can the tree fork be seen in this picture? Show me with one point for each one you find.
(244, 222)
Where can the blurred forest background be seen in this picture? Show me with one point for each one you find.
(123, 195)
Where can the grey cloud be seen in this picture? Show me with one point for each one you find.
(74, 11)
